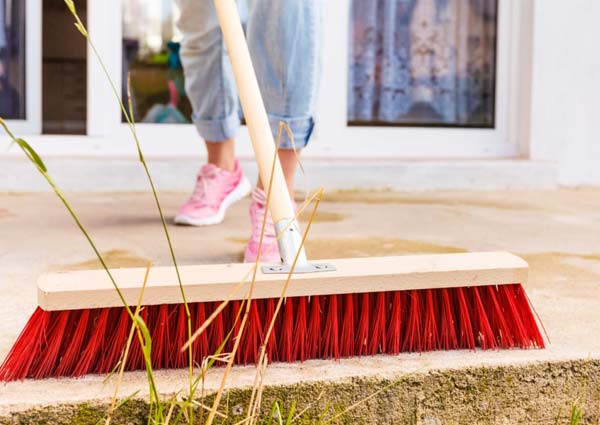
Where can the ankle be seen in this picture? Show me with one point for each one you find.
(223, 164)
(221, 154)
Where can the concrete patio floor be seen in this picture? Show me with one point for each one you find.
(556, 231)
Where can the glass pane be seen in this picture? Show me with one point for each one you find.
(422, 63)
(151, 56)
(12, 59)
(64, 70)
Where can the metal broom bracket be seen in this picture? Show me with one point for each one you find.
(290, 242)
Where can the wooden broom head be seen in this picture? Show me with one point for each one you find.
(75, 290)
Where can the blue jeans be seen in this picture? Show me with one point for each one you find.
(284, 41)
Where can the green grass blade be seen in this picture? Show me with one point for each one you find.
(290, 417)
(126, 399)
(272, 416)
(576, 415)
(129, 116)
(33, 154)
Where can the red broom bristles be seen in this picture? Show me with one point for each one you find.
(216, 330)
(448, 339)
(313, 343)
(136, 356)
(201, 346)
(299, 345)
(18, 364)
(348, 326)
(74, 343)
(91, 357)
(526, 314)
(482, 328)
(430, 333)
(362, 330)
(394, 332)
(233, 321)
(377, 343)
(252, 337)
(160, 352)
(286, 338)
(330, 329)
(269, 312)
(465, 327)
(180, 336)
(73, 349)
(45, 364)
(413, 332)
(116, 344)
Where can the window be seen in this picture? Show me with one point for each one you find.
(446, 86)
(64, 70)
(12, 59)
(422, 63)
(151, 57)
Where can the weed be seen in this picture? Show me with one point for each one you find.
(576, 415)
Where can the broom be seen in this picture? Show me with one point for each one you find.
(338, 308)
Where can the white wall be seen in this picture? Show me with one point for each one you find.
(565, 114)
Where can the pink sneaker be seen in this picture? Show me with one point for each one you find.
(215, 191)
(270, 250)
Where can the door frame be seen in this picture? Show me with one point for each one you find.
(32, 124)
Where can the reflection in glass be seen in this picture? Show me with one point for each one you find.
(422, 62)
(64, 70)
(12, 59)
(151, 57)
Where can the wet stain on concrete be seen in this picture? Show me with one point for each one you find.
(4, 213)
(367, 247)
(398, 198)
(562, 266)
(114, 258)
(238, 240)
(321, 216)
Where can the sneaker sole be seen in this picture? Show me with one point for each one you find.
(242, 190)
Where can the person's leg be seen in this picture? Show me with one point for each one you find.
(289, 164)
(210, 87)
(221, 154)
(284, 38)
(284, 42)
(209, 81)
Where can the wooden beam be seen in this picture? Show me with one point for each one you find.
(92, 289)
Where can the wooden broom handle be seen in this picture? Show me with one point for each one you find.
(255, 113)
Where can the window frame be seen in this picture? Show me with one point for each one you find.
(336, 136)
(333, 137)
(32, 123)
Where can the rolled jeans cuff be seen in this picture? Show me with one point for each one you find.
(301, 128)
(218, 129)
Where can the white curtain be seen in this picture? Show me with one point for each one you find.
(422, 62)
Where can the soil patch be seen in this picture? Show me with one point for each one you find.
(115, 258)
(4, 213)
(402, 199)
(367, 247)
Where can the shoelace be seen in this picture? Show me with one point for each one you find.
(208, 187)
